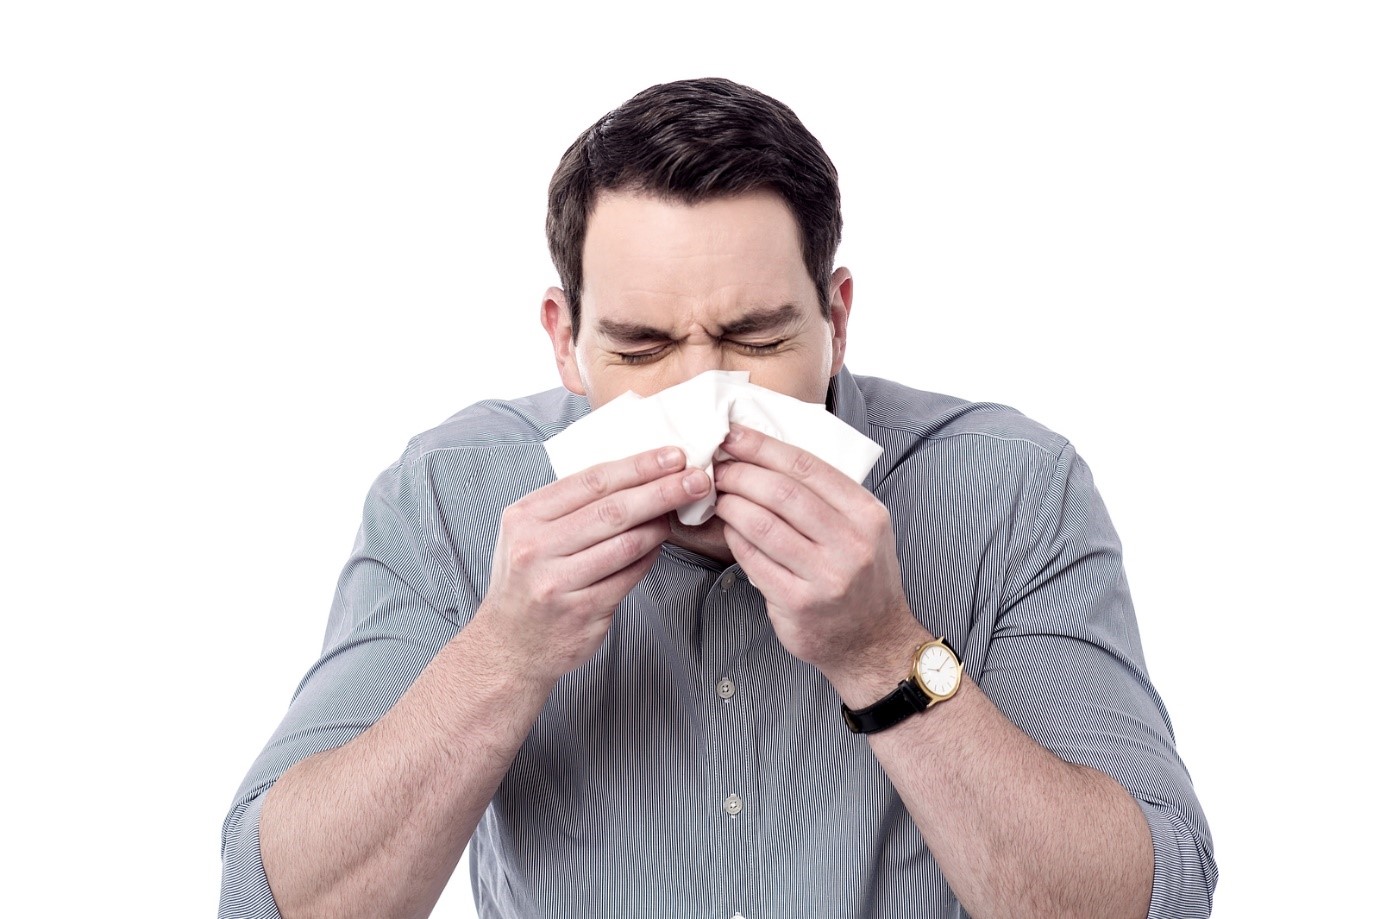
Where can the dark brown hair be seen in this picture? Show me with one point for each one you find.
(691, 141)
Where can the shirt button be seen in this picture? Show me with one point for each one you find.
(726, 584)
(733, 805)
(726, 689)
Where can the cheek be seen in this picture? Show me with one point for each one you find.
(805, 383)
(807, 376)
(603, 383)
(606, 382)
(600, 384)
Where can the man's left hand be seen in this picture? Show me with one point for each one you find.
(821, 550)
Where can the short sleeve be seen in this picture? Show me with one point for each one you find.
(396, 604)
(1065, 664)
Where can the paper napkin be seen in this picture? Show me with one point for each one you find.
(694, 416)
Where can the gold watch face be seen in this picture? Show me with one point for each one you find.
(937, 670)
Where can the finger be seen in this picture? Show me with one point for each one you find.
(611, 568)
(581, 488)
(761, 450)
(610, 516)
(621, 582)
(792, 500)
(768, 535)
(763, 572)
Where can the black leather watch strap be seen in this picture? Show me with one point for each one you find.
(894, 708)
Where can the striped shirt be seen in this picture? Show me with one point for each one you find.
(695, 768)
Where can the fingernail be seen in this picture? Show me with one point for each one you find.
(735, 434)
(668, 458)
(696, 483)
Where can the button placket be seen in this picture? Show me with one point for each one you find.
(731, 623)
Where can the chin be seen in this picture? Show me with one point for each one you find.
(707, 539)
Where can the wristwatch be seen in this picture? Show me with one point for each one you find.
(936, 671)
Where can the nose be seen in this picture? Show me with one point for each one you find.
(697, 357)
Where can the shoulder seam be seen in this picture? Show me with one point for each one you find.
(423, 452)
(1007, 439)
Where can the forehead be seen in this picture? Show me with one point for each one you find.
(645, 253)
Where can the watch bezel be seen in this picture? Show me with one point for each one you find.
(920, 682)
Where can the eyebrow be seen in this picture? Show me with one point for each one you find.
(762, 320)
(758, 320)
(633, 333)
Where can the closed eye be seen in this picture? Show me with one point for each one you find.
(640, 357)
(652, 354)
(765, 348)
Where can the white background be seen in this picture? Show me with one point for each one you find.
(248, 249)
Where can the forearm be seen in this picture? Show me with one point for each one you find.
(1016, 830)
(375, 828)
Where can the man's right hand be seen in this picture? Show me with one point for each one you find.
(568, 554)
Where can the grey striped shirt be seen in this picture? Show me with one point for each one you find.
(695, 768)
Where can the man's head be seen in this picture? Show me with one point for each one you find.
(694, 229)
(689, 142)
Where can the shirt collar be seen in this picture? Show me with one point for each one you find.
(845, 400)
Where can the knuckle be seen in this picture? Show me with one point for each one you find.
(628, 547)
(787, 491)
(857, 544)
(595, 480)
(641, 467)
(612, 512)
(670, 493)
(648, 467)
(803, 465)
(742, 549)
(762, 525)
(545, 593)
(833, 580)
(521, 554)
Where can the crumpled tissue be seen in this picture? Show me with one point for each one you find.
(694, 416)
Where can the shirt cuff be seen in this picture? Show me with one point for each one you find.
(1185, 872)
(244, 892)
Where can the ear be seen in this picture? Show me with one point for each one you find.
(555, 318)
(840, 306)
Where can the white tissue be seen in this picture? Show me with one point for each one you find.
(694, 416)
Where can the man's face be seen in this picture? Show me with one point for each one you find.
(672, 290)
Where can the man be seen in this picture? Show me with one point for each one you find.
(629, 716)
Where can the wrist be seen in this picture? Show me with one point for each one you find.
(936, 672)
(873, 670)
(500, 658)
